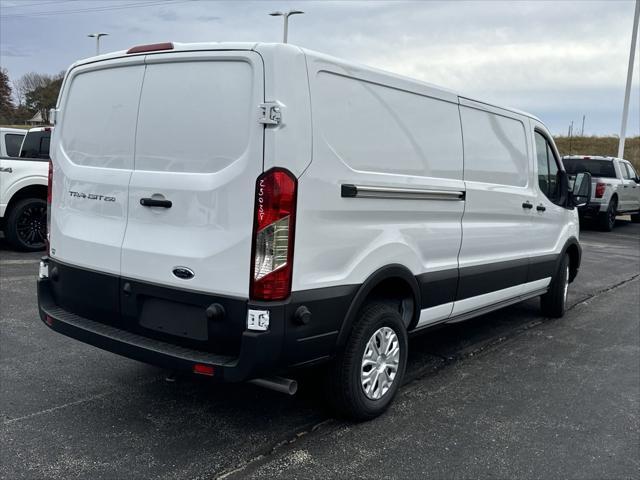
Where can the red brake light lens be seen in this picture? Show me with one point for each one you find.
(202, 369)
(152, 47)
(273, 234)
(600, 188)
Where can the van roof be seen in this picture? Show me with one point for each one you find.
(590, 157)
(186, 47)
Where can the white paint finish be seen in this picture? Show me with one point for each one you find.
(434, 314)
(13, 132)
(208, 229)
(551, 228)
(285, 81)
(18, 174)
(495, 224)
(92, 153)
(344, 240)
(98, 130)
(375, 128)
(495, 148)
(474, 303)
(195, 115)
(494, 221)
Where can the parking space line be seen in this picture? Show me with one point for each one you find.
(18, 262)
(58, 407)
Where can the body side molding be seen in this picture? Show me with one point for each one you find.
(369, 191)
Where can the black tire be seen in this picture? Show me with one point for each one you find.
(26, 225)
(635, 217)
(345, 391)
(554, 302)
(607, 220)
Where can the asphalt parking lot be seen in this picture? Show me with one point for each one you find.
(510, 394)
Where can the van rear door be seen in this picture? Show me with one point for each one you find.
(92, 156)
(199, 150)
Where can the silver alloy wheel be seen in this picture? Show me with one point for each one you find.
(566, 285)
(380, 363)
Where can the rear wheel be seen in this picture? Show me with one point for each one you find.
(26, 224)
(366, 375)
(607, 220)
(554, 302)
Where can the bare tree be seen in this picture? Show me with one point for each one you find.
(30, 82)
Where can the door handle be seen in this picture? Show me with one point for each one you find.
(6, 169)
(541, 208)
(527, 205)
(155, 202)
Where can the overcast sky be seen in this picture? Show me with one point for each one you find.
(556, 59)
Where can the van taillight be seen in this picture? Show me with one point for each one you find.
(273, 233)
(49, 196)
(600, 187)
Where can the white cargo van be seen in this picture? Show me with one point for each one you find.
(244, 210)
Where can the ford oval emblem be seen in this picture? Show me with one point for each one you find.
(183, 272)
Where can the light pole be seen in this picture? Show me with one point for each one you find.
(97, 37)
(627, 92)
(286, 21)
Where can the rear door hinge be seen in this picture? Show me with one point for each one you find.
(270, 113)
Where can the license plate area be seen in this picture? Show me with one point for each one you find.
(172, 318)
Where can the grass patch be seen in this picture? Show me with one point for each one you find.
(600, 146)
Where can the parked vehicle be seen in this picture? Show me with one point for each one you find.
(23, 187)
(320, 212)
(36, 143)
(10, 141)
(615, 188)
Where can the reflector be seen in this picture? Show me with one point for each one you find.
(201, 369)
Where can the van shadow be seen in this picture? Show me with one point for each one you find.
(248, 404)
(193, 425)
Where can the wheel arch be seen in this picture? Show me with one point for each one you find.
(574, 250)
(391, 282)
(29, 191)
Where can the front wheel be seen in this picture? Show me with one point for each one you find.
(365, 376)
(554, 302)
(26, 225)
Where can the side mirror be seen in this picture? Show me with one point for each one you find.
(580, 192)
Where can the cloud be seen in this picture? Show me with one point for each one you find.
(558, 60)
(15, 51)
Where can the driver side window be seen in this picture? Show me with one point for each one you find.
(547, 168)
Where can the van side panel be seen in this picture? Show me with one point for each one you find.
(377, 130)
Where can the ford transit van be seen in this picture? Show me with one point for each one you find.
(241, 211)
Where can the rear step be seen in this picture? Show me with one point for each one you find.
(135, 346)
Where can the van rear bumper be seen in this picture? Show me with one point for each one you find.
(86, 305)
(259, 352)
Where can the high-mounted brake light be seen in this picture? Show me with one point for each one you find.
(273, 234)
(49, 197)
(600, 188)
(152, 47)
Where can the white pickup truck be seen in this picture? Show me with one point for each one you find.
(615, 188)
(23, 186)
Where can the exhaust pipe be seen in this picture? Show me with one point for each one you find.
(279, 384)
